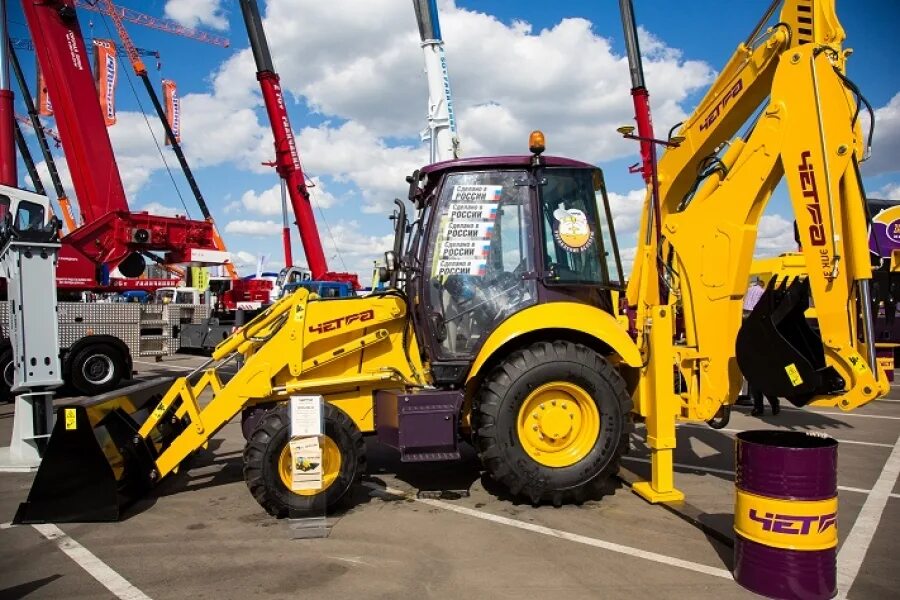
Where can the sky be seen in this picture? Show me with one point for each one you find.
(353, 70)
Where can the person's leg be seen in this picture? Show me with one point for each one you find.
(757, 397)
(775, 403)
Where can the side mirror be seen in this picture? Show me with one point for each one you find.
(413, 181)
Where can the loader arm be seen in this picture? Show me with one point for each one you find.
(807, 133)
(128, 440)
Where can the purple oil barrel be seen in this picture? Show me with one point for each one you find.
(785, 514)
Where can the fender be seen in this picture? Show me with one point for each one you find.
(580, 318)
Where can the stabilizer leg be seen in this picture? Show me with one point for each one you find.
(663, 409)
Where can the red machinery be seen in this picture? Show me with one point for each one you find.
(287, 158)
(112, 236)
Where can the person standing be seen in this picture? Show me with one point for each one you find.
(751, 298)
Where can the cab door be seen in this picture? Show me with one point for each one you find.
(479, 263)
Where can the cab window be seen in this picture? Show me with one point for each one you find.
(579, 244)
(4, 207)
(29, 215)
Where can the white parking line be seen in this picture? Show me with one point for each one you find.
(842, 488)
(178, 367)
(96, 568)
(842, 441)
(163, 365)
(829, 413)
(852, 553)
(563, 535)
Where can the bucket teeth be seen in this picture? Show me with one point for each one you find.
(777, 350)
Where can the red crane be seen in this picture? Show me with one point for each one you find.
(287, 157)
(112, 236)
(140, 70)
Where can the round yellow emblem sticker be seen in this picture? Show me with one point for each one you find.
(572, 230)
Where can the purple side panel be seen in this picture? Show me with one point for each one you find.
(422, 424)
(785, 574)
(786, 464)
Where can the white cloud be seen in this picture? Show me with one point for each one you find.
(268, 202)
(250, 227)
(355, 63)
(357, 250)
(886, 145)
(774, 236)
(890, 191)
(243, 259)
(196, 13)
(155, 208)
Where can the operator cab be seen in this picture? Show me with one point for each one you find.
(496, 235)
(23, 210)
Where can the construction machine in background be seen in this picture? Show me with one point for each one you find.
(111, 237)
(497, 323)
(441, 133)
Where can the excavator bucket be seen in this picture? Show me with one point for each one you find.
(777, 350)
(95, 463)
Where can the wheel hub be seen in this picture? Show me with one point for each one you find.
(555, 423)
(331, 466)
(558, 424)
(98, 369)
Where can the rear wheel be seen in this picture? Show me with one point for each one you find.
(96, 368)
(267, 464)
(552, 421)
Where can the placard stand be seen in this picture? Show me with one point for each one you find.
(307, 438)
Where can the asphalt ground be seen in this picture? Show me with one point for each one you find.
(443, 530)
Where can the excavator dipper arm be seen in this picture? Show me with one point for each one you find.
(807, 133)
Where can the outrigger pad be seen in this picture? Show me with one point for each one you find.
(777, 350)
(76, 481)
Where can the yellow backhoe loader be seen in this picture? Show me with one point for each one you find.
(497, 324)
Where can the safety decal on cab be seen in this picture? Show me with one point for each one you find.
(571, 230)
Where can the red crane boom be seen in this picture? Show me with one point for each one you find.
(287, 158)
(112, 237)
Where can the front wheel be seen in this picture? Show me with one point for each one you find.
(267, 464)
(552, 421)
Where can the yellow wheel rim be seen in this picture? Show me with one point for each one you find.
(558, 424)
(331, 467)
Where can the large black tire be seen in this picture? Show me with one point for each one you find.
(507, 387)
(96, 368)
(6, 373)
(263, 452)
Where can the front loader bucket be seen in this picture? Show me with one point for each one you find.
(778, 352)
(95, 463)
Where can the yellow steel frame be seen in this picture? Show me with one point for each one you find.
(343, 349)
(806, 133)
